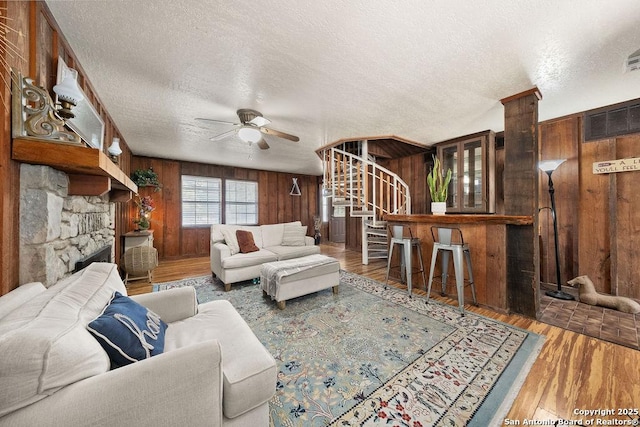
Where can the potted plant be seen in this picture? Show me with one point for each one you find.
(438, 183)
(145, 205)
(146, 178)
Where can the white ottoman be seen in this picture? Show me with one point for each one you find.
(283, 280)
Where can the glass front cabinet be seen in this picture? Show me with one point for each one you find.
(472, 162)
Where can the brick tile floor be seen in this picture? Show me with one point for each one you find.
(606, 324)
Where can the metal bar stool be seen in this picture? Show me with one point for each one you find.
(450, 240)
(408, 243)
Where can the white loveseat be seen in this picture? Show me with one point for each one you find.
(53, 372)
(275, 242)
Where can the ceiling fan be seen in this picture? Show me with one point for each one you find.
(250, 129)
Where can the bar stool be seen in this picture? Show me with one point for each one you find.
(450, 240)
(408, 243)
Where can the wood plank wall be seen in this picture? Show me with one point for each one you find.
(598, 215)
(275, 204)
(38, 42)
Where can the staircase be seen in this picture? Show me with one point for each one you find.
(370, 191)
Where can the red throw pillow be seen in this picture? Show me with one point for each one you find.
(245, 241)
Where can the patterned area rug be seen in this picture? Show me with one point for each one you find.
(373, 356)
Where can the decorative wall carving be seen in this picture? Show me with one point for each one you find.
(34, 114)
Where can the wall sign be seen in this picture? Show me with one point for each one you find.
(621, 165)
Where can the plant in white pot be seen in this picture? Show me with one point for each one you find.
(438, 183)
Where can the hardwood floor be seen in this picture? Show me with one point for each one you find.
(573, 374)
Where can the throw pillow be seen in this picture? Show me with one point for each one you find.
(294, 235)
(246, 242)
(128, 331)
(231, 240)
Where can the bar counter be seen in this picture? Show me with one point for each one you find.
(489, 237)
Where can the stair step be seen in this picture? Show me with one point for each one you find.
(361, 213)
(378, 244)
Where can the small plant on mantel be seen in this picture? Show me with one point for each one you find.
(438, 183)
(146, 178)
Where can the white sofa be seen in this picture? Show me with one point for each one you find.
(276, 242)
(53, 371)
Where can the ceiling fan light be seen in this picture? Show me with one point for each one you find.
(249, 134)
(260, 121)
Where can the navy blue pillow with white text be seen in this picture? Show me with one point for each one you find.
(128, 331)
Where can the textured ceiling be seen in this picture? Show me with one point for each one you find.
(327, 70)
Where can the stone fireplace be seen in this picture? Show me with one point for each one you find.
(57, 230)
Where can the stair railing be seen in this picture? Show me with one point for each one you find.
(366, 187)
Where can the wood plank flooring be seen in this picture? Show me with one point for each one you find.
(573, 372)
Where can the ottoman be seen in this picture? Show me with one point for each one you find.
(283, 280)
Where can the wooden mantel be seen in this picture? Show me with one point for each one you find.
(91, 172)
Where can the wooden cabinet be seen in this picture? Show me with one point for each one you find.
(472, 161)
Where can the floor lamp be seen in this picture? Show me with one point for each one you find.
(549, 166)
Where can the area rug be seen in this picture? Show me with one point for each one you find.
(373, 356)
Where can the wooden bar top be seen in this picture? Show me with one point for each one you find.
(463, 219)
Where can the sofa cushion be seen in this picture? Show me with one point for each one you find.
(249, 370)
(272, 233)
(289, 252)
(45, 344)
(231, 240)
(247, 260)
(128, 331)
(293, 235)
(246, 242)
(19, 296)
(218, 237)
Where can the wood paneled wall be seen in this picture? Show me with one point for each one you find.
(598, 215)
(413, 170)
(275, 204)
(38, 42)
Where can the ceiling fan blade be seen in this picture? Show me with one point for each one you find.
(263, 144)
(216, 121)
(259, 121)
(277, 133)
(223, 135)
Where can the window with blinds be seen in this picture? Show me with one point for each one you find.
(241, 202)
(201, 200)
